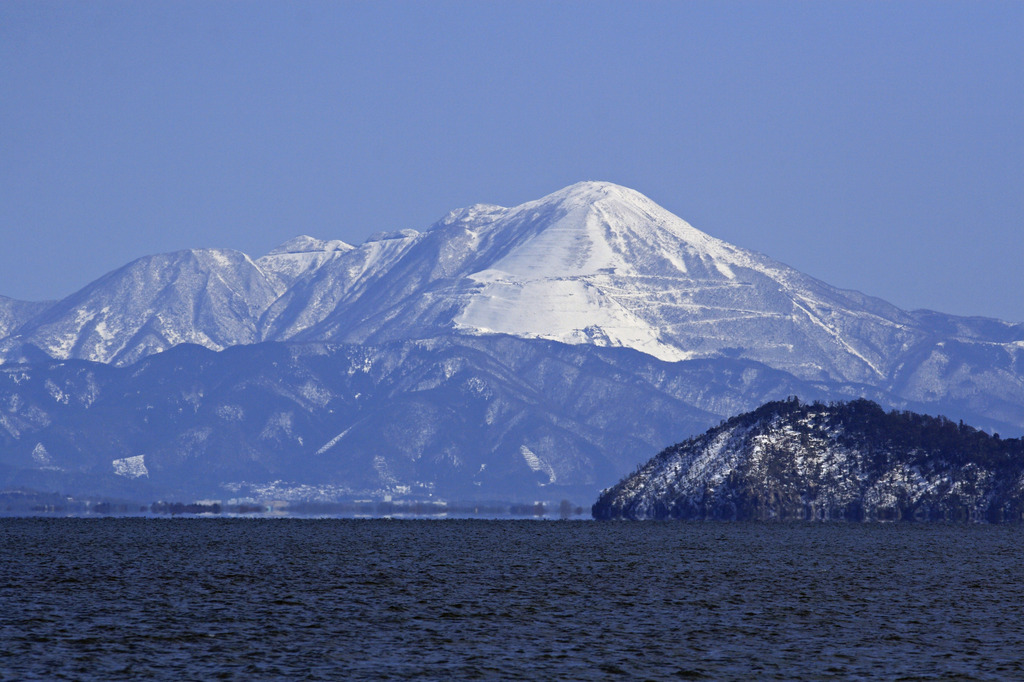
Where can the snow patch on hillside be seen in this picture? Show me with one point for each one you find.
(131, 467)
(566, 310)
(537, 464)
(40, 455)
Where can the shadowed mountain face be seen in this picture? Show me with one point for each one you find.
(592, 271)
(486, 417)
(843, 461)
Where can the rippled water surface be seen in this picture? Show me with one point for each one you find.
(176, 599)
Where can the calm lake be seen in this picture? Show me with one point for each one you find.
(100, 599)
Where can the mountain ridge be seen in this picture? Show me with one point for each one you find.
(473, 417)
(593, 263)
(586, 236)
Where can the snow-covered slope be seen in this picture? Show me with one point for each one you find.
(336, 286)
(299, 256)
(14, 313)
(209, 297)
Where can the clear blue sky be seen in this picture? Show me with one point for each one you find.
(877, 146)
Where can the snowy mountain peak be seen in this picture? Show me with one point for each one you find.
(204, 296)
(613, 203)
(593, 191)
(474, 215)
(307, 244)
(627, 233)
(300, 256)
(602, 264)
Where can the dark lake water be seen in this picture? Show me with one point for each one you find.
(99, 599)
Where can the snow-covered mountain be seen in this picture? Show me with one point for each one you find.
(594, 263)
(843, 461)
(597, 264)
(541, 320)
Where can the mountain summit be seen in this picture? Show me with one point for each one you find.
(594, 263)
(602, 264)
